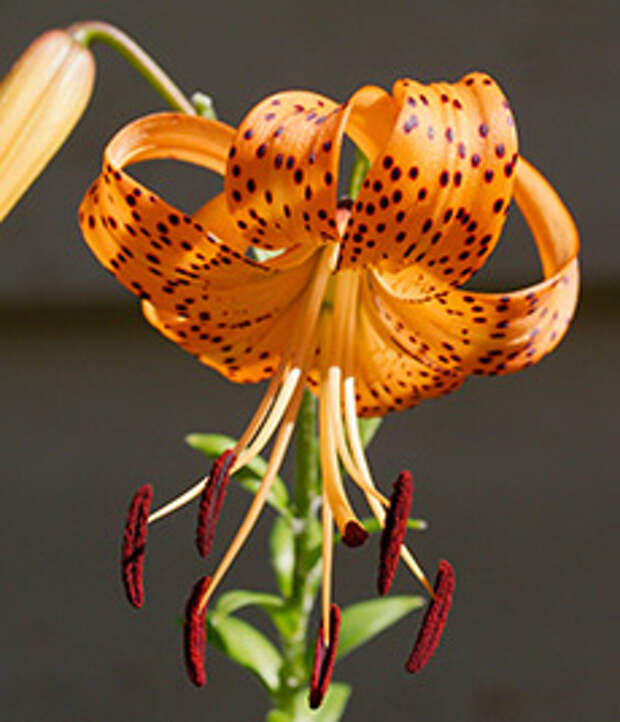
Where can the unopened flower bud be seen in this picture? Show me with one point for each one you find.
(41, 100)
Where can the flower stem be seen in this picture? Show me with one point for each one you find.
(306, 573)
(90, 31)
(361, 166)
(306, 456)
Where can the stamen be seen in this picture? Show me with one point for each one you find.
(212, 500)
(263, 407)
(327, 521)
(313, 300)
(353, 533)
(324, 658)
(394, 530)
(355, 441)
(273, 419)
(194, 633)
(335, 380)
(258, 417)
(273, 466)
(434, 619)
(301, 361)
(134, 545)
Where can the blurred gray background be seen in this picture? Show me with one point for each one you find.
(517, 475)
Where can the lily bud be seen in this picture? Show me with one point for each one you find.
(41, 100)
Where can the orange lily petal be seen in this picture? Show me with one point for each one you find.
(245, 344)
(198, 290)
(388, 378)
(282, 174)
(437, 192)
(496, 333)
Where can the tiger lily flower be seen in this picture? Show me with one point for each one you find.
(41, 100)
(358, 300)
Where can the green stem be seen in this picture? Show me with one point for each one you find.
(307, 494)
(306, 529)
(91, 31)
(361, 166)
(306, 456)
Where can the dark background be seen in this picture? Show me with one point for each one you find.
(517, 475)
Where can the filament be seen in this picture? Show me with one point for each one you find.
(328, 558)
(347, 522)
(357, 448)
(275, 461)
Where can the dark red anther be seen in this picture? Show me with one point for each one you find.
(211, 501)
(324, 658)
(134, 545)
(354, 534)
(194, 634)
(434, 619)
(394, 530)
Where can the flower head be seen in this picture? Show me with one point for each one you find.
(41, 100)
(359, 301)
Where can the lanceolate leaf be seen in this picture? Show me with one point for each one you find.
(237, 599)
(365, 620)
(212, 445)
(372, 526)
(277, 715)
(246, 646)
(368, 428)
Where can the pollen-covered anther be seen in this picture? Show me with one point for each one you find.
(394, 530)
(434, 619)
(194, 633)
(134, 545)
(211, 501)
(324, 658)
(354, 534)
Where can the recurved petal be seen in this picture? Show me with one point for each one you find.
(242, 332)
(437, 192)
(495, 333)
(154, 249)
(390, 376)
(282, 173)
(198, 290)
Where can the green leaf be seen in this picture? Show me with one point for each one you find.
(372, 526)
(365, 620)
(282, 544)
(368, 428)
(230, 602)
(250, 476)
(283, 618)
(331, 710)
(277, 715)
(246, 646)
